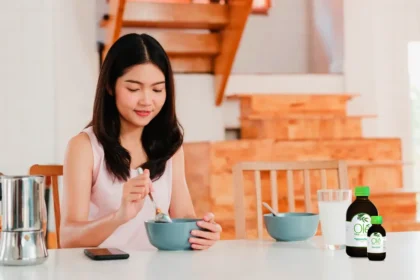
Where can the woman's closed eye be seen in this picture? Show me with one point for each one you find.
(158, 89)
(133, 89)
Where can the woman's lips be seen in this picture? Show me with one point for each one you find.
(142, 113)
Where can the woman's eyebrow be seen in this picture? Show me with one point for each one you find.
(140, 83)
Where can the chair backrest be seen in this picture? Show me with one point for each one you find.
(51, 173)
(273, 167)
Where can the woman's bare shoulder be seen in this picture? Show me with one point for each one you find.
(179, 154)
(79, 147)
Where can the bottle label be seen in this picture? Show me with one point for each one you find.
(376, 243)
(356, 230)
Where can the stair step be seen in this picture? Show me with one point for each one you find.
(183, 43)
(191, 64)
(302, 128)
(293, 104)
(175, 15)
(225, 154)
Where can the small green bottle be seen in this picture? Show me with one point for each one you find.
(376, 250)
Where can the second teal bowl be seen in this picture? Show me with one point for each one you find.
(291, 226)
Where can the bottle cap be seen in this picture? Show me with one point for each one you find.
(362, 191)
(376, 220)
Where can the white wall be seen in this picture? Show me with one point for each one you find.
(326, 36)
(27, 85)
(376, 65)
(276, 43)
(76, 67)
(201, 120)
(48, 75)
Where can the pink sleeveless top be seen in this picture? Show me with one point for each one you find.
(106, 198)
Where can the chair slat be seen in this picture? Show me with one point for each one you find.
(307, 183)
(290, 191)
(324, 179)
(238, 189)
(273, 185)
(57, 214)
(257, 178)
(342, 175)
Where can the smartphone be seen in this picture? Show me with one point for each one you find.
(102, 254)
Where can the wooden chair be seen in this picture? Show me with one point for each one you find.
(273, 167)
(51, 173)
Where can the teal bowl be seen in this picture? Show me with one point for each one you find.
(291, 226)
(171, 236)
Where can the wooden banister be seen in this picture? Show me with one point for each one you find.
(239, 11)
(115, 20)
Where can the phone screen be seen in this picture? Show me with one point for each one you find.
(106, 251)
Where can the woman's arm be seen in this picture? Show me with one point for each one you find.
(181, 204)
(182, 207)
(76, 230)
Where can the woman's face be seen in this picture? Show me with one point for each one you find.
(140, 94)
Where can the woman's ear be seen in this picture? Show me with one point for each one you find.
(109, 90)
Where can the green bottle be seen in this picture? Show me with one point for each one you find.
(358, 222)
(376, 250)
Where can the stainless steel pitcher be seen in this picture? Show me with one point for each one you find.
(22, 240)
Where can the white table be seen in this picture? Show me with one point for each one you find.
(239, 259)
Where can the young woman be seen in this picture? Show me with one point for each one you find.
(105, 200)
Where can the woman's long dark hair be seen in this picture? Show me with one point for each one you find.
(163, 136)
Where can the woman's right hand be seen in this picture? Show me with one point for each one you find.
(134, 193)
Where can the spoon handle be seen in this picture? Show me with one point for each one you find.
(140, 171)
(152, 199)
(269, 208)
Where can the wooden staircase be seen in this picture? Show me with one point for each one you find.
(282, 127)
(199, 38)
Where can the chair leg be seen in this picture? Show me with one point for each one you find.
(47, 202)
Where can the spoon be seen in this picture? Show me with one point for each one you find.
(269, 208)
(160, 216)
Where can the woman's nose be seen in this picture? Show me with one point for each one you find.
(145, 97)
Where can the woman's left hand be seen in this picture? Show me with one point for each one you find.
(203, 240)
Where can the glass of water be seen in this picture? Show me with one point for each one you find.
(333, 205)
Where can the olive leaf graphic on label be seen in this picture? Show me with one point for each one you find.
(362, 217)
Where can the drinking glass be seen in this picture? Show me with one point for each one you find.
(333, 205)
